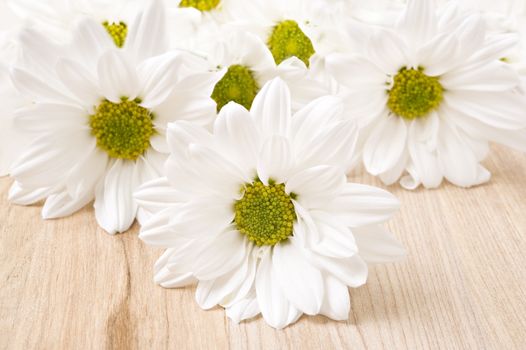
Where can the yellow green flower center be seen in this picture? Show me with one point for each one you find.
(288, 40)
(117, 31)
(414, 94)
(238, 85)
(201, 5)
(265, 213)
(122, 129)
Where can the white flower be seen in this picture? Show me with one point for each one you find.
(304, 29)
(430, 95)
(190, 20)
(11, 141)
(260, 212)
(248, 64)
(58, 18)
(98, 117)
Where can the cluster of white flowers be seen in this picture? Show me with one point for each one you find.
(227, 128)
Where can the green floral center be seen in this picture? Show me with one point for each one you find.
(414, 94)
(265, 213)
(288, 40)
(201, 5)
(238, 85)
(122, 129)
(117, 31)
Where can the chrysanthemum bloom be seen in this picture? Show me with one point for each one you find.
(260, 214)
(11, 141)
(430, 95)
(99, 115)
(57, 19)
(292, 28)
(248, 65)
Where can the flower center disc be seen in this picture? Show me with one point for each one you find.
(237, 85)
(288, 40)
(265, 213)
(118, 32)
(122, 129)
(201, 5)
(414, 94)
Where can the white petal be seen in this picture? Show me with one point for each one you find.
(377, 245)
(62, 204)
(147, 35)
(424, 156)
(336, 303)
(49, 117)
(503, 110)
(274, 306)
(158, 76)
(271, 108)
(226, 252)
(238, 134)
(436, 55)
(79, 81)
(385, 145)
(117, 78)
(387, 51)
(181, 134)
(275, 160)
(36, 89)
(21, 196)
(210, 293)
(301, 283)
(49, 159)
(456, 159)
(419, 21)
(90, 39)
(314, 186)
(243, 310)
(351, 271)
(336, 239)
(355, 72)
(495, 76)
(115, 208)
(360, 205)
(156, 195)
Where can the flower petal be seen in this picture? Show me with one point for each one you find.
(336, 302)
(385, 145)
(117, 78)
(301, 283)
(275, 160)
(360, 205)
(272, 109)
(115, 208)
(377, 245)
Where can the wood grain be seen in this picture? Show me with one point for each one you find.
(65, 284)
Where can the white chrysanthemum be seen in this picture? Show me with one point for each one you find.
(430, 95)
(248, 65)
(196, 24)
(98, 118)
(305, 29)
(11, 141)
(260, 212)
(58, 18)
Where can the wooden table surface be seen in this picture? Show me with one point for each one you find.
(67, 285)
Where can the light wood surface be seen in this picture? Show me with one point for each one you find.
(67, 285)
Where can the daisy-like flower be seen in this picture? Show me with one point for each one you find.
(260, 214)
(11, 141)
(248, 65)
(98, 119)
(429, 96)
(58, 18)
(292, 28)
